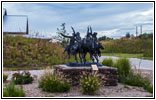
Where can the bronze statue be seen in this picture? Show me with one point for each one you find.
(83, 46)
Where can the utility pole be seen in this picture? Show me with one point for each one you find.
(136, 31)
(140, 29)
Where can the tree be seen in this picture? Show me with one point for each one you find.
(104, 38)
(59, 37)
(146, 36)
(128, 35)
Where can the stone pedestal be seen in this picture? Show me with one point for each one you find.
(73, 75)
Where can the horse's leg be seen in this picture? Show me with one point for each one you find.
(76, 57)
(68, 55)
(84, 57)
(91, 56)
(80, 57)
(96, 56)
(99, 52)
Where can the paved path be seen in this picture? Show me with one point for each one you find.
(144, 64)
(135, 62)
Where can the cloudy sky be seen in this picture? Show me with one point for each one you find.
(110, 19)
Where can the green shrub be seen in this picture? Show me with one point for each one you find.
(12, 91)
(51, 83)
(90, 84)
(107, 62)
(147, 86)
(123, 66)
(126, 75)
(134, 80)
(138, 80)
(22, 78)
(5, 76)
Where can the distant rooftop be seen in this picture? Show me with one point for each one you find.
(4, 12)
(16, 24)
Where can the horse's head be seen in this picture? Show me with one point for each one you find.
(100, 46)
(73, 49)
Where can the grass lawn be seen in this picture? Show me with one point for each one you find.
(125, 55)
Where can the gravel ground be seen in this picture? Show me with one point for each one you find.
(120, 90)
(145, 69)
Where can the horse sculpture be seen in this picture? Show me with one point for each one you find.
(83, 46)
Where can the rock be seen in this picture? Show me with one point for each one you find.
(73, 75)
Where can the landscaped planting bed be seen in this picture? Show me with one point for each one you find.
(121, 90)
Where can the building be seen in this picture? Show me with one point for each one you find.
(15, 24)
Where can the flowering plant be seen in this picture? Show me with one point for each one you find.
(22, 78)
(90, 84)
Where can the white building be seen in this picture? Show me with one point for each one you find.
(15, 24)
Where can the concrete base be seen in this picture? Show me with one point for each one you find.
(78, 64)
(73, 75)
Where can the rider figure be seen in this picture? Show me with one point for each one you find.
(78, 38)
(72, 38)
(71, 45)
(95, 40)
(89, 34)
(94, 37)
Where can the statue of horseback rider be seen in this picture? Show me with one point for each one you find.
(82, 46)
(73, 44)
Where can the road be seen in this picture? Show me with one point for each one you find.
(135, 62)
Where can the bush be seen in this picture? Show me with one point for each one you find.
(12, 91)
(22, 78)
(5, 77)
(123, 66)
(126, 75)
(90, 84)
(138, 80)
(51, 83)
(107, 62)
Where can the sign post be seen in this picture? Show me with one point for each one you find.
(94, 67)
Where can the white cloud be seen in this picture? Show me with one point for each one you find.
(109, 33)
(103, 19)
(119, 21)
